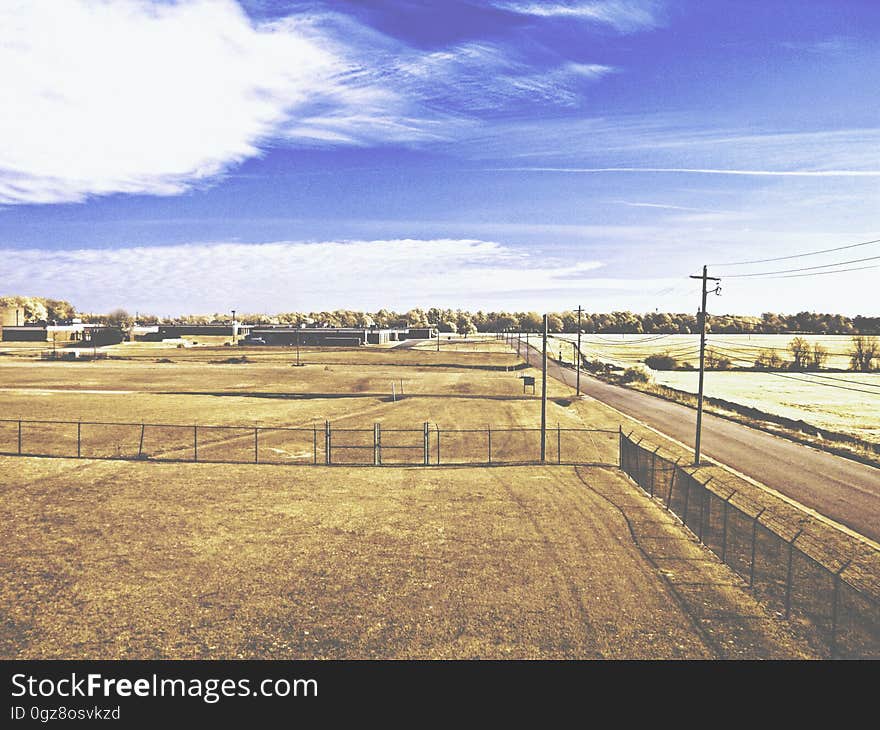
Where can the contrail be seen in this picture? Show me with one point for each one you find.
(701, 171)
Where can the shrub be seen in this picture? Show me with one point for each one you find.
(768, 360)
(714, 361)
(661, 362)
(636, 375)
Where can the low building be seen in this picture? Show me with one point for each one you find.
(421, 333)
(159, 332)
(324, 336)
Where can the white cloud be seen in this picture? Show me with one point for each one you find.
(287, 276)
(139, 97)
(626, 16)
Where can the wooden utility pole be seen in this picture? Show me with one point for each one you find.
(544, 394)
(233, 327)
(577, 360)
(702, 324)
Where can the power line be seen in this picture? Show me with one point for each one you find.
(839, 380)
(821, 273)
(804, 268)
(803, 380)
(799, 255)
(827, 385)
(620, 343)
(759, 348)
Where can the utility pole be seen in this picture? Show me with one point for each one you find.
(577, 360)
(544, 395)
(702, 322)
(233, 327)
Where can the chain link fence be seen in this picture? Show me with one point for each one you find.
(325, 444)
(791, 570)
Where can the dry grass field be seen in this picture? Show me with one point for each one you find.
(123, 559)
(855, 412)
(114, 560)
(625, 350)
(843, 402)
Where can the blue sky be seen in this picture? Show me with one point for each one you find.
(272, 156)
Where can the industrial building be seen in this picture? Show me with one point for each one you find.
(333, 336)
(90, 335)
(159, 332)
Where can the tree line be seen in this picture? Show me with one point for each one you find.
(39, 309)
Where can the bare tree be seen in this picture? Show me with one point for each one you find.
(864, 351)
(800, 350)
(818, 357)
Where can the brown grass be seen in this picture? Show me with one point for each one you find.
(112, 560)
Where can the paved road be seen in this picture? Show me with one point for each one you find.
(844, 490)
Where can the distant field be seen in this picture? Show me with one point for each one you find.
(855, 412)
(843, 402)
(626, 350)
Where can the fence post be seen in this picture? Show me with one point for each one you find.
(256, 445)
(141, 444)
(620, 459)
(19, 437)
(754, 539)
(195, 443)
(835, 609)
(558, 444)
(438, 443)
(704, 508)
(379, 443)
(672, 483)
(788, 574)
(653, 470)
(427, 452)
(489, 432)
(687, 496)
(724, 528)
(636, 449)
(327, 457)
(78, 439)
(314, 444)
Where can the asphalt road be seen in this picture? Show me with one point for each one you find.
(844, 490)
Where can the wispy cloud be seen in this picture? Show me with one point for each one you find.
(665, 206)
(625, 16)
(700, 171)
(288, 275)
(833, 46)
